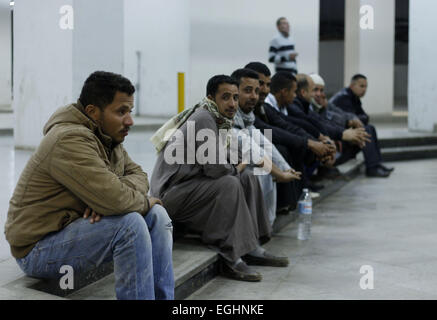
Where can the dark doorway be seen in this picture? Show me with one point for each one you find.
(401, 55)
(331, 49)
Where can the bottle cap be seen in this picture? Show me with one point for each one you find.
(306, 190)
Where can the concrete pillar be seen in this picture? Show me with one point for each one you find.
(54, 51)
(371, 51)
(422, 82)
(160, 32)
(5, 55)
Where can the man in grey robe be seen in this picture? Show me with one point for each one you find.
(244, 119)
(209, 195)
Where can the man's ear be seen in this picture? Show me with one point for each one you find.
(93, 112)
(210, 97)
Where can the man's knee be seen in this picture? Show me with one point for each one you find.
(370, 129)
(133, 225)
(158, 217)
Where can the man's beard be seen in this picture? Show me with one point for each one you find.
(316, 105)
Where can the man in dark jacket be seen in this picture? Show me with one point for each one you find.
(349, 100)
(297, 146)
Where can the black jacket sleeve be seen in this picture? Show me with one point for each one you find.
(283, 137)
(280, 120)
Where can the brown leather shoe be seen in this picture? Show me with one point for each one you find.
(240, 272)
(268, 260)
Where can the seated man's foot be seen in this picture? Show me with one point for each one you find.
(328, 173)
(240, 271)
(283, 210)
(266, 259)
(314, 187)
(383, 167)
(377, 172)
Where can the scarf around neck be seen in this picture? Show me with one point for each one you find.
(163, 135)
(244, 120)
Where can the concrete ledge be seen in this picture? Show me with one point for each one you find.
(409, 153)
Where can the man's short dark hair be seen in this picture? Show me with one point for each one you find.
(216, 81)
(100, 88)
(259, 67)
(302, 82)
(282, 80)
(278, 22)
(358, 76)
(244, 73)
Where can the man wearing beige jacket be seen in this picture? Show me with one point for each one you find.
(79, 171)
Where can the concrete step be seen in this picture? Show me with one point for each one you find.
(193, 266)
(414, 141)
(409, 153)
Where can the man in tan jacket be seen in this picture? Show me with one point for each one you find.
(81, 170)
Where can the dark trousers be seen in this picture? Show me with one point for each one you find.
(372, 151)
(288, 193)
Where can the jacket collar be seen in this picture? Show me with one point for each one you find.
(105, 139)
(352, 94)
(302, 104)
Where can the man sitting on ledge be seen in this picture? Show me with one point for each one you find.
(209, 194)
(81, 169)
(349, 100)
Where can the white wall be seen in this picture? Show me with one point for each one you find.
(5, 54)
(371, 52)
(160, 31)
(51, 64)
(42, 67)
(97, 39)
(422, 91)
(227, 34)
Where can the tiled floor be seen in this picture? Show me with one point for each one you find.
(389, 225)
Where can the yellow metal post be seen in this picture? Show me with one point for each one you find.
(181, 92)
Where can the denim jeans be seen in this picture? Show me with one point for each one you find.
(141, 248)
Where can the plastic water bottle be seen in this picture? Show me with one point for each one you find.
(305, 206)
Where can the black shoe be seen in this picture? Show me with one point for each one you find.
(240, 272)
(377, 172)
(284, 210)
(383, 167)
(328, 173)
(268, 260)
(314, 187)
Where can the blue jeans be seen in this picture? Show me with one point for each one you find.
(141, 248)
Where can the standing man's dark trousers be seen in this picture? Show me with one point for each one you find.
(372, 151)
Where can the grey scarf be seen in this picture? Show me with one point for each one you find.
(244, 120)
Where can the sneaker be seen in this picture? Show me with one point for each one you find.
(240, 272)
(267, 260)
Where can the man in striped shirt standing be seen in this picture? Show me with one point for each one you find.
(282, 48)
